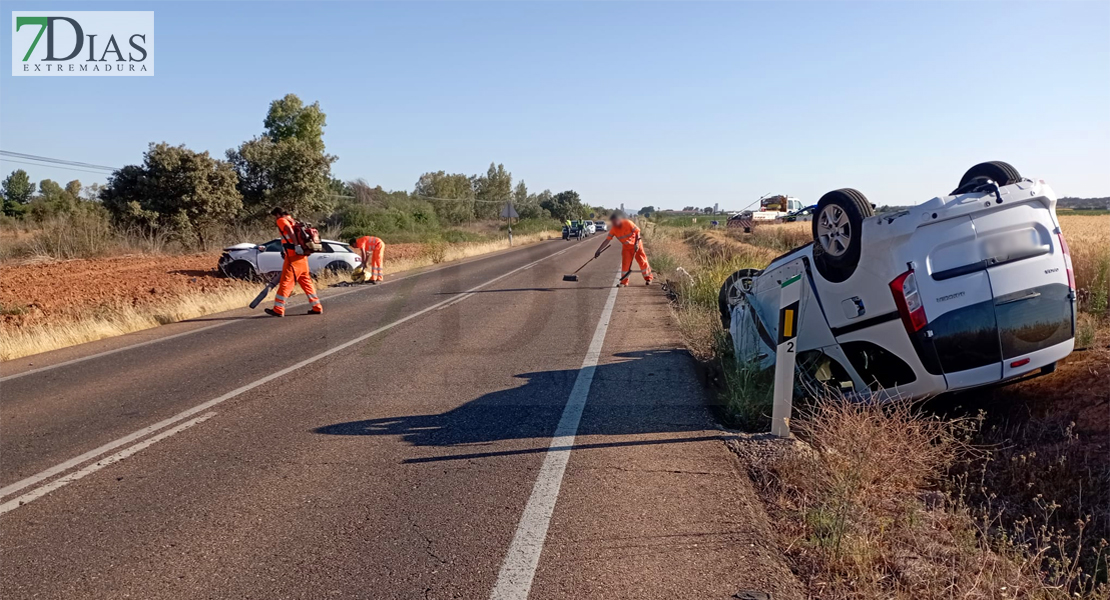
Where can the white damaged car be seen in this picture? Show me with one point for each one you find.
(970, 289)
(250, 261)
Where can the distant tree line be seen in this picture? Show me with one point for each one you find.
(192, 195)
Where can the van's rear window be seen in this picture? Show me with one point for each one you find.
(966, 338)
(1033, 319)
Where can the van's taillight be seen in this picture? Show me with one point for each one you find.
(1067, 259)
(908, 300)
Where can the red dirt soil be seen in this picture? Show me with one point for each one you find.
(49, 290)
(1078, 391)
(36, 292)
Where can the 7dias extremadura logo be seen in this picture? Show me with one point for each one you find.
(82, 43)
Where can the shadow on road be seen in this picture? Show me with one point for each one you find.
(643, 394)
(537, 289)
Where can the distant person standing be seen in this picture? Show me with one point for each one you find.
(372, 251)
(632, 247)
(294, 268)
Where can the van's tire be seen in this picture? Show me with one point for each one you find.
(241, 269)
(837, 225)
(727, 297)
(997, 171)
(337, 266)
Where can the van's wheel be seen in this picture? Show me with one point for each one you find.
(997, 171)
(241, 269)
(731, 292)
(337, 267)
(837, 225)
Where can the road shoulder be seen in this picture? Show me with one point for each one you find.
(654, 504)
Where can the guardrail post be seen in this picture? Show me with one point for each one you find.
(785, 354)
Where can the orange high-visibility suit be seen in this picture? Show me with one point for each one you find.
(628, 234)
(376, 249)
(293, 270)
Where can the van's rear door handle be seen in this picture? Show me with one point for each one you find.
(1012, 300)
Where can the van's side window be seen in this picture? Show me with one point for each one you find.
(877, 366)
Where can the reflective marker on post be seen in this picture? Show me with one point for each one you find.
(791, 294)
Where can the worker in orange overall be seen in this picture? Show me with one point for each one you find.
(632, 246)
(293, 270)
(372, 251)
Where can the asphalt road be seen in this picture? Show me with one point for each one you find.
(413, 442)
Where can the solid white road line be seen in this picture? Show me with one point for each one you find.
(200, 329)
(515, 579)
(39, 492)
(33, 479)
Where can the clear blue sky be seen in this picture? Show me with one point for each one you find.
(656, 103)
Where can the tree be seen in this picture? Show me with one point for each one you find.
(175, 189)
(493, 190)
(286, 165)
(707, 210)
(73, 189)
(18, 190)
(52, 200)
(647, 210)
(289, 118)
(338, 187)
(451, 195)
(520, 192)
(565, 205)
(526, 204)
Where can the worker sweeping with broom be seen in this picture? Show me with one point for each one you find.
(632, 247)
(372, 251)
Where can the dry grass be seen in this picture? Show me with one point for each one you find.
(111, 320)
(1088, 238)
(864, 516)
(108, 321)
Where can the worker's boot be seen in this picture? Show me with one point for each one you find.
(313, 311)
(274, 313)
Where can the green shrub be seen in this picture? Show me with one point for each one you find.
(537, 225)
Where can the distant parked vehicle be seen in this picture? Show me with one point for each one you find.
(774, 208)
(601, 225)
(965, 290)
(589, 227)
(251, 261)
(805, 214)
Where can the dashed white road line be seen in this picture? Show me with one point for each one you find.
(64, 466)
(39, 492)
(514, 581)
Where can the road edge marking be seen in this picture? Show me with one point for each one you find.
(39, 492)
(514, 581)
(185, 414)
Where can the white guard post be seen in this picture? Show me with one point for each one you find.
(791, 295)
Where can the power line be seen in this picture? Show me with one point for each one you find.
(461, 199)
(52, 166)
(58, 161)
